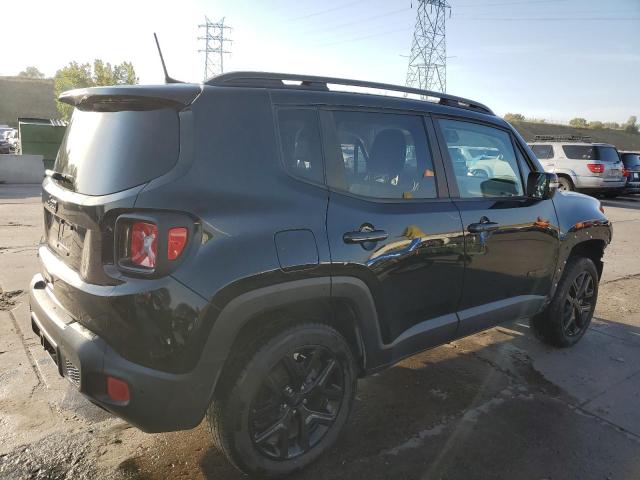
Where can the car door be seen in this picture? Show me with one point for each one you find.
(391, 224)
(511, 241)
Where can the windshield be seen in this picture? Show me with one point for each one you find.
(591, 152)
(106, 152)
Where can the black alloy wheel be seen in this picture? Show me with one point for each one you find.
(283, 401)
(578, 304)
(568, 316)
(297, 403)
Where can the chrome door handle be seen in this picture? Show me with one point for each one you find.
(483, 227)
(365, 236)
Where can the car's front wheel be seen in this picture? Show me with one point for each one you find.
(565, 184)
(567, 317)
(285, 401)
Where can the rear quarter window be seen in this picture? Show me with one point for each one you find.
(591, 152)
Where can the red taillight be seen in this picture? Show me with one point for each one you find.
(625, 173)
(176, 242)
(117, 390)
(595, 167)
(143, 248)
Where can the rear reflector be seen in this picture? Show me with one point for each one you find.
(144, 244)
(595, 167)
(117, 390)
(176, 242)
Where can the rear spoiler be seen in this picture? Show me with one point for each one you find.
(132, 97)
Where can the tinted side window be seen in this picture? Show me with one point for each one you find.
(384, 155)
(301, 144)
(493, 174)
(580, 152)
(543, 151)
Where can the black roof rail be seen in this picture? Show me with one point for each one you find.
(562, 138)
(276, 80)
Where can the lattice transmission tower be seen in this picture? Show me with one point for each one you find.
(428, 60)
(214, 46)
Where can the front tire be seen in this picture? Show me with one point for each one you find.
(565, 184)
(285, 401)
(568, 316)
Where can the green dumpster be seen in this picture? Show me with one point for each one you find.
(41, 136)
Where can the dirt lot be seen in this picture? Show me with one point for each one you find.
(494, 405)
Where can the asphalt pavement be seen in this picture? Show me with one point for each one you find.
(496, 405)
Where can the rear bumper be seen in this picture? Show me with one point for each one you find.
(159, 401)
(598, 184)
(632, 187)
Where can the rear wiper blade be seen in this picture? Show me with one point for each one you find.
(65, 177)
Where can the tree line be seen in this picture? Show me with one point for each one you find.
(83, 75)
(630, 126)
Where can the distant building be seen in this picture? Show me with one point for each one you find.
(26, 97)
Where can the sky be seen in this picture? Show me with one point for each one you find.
(551, 59)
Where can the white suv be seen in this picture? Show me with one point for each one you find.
(580, 165)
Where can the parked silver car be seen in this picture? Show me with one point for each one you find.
(580, 165)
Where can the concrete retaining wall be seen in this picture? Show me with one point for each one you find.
(21, 168)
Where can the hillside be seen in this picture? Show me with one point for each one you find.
(621, 139)
(26, 97)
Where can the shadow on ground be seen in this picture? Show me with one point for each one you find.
(472, 409)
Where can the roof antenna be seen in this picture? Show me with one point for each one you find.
(167, 78)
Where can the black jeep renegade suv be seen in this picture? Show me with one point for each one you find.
(247, 248)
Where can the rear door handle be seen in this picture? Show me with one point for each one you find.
(365, 236)
(483, 227)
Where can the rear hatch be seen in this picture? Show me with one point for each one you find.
(602, 160)
(118, 140)
(632, 165)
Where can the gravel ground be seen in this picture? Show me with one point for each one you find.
(497, 405)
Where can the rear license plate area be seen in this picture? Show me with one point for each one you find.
(47, 343)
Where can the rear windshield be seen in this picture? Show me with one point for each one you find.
(542, 151)
(106, 152)
(591, 152)
(631, 160)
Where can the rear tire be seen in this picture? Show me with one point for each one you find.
(566, 319)
(611, 195)
(285, 401)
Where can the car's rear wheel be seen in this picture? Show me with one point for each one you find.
(611, 194)
(568, 316)
(565, 184)
(285, 402)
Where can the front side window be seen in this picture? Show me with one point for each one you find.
(301, 144)
(495, 173)
(543, 152)
(383, 155)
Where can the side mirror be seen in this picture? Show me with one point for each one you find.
(542, 185)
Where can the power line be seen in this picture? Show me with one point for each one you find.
(356, 39)
(504, 4)
(549, 19)
(359, 21)
(328, 10)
